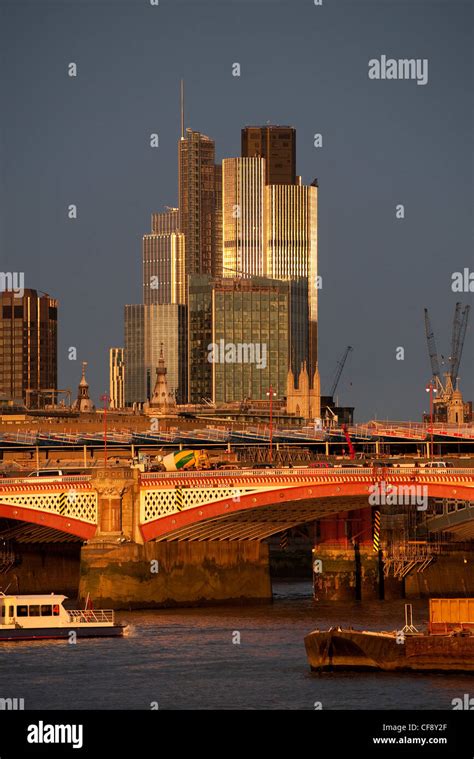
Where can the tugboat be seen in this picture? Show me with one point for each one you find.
(40, 617)
(446, 646)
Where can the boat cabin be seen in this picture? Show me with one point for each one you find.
(33, 610)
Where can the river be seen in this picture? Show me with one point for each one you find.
(232, 657)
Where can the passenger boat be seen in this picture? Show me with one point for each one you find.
(446, 646)
(40, 617)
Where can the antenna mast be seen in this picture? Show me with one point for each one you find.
(182, 109)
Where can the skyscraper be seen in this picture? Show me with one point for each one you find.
(163, 268)
(243, 216)
(292, 253)
(197, 202)
(134, 354)
(28, 348)
(277, 144)
(238, 338)
(116, 378)
(165, 222)
(165, 329)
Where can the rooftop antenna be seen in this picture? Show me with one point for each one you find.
(182, 109)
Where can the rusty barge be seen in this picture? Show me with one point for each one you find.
(446, 646)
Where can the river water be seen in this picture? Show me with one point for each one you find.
(191, 659)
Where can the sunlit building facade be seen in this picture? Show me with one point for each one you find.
(292, 254)
(243, 216)
(165, 328)
(116, 378)
(198, 204)
(28, 348)
(163, 268)
(238, 337)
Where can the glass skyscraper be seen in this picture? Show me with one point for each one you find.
(238, 337)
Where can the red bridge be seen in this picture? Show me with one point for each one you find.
(217, 505)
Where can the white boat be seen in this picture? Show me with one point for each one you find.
(39, 617)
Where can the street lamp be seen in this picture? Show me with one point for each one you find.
(430, 388)
(271, 394)
(106, 400)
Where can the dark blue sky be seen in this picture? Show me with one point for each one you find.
(86, 141)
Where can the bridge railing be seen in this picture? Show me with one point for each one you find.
(304, 472)
(45, 480)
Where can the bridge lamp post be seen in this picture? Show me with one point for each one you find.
(106, 400)
(430, 388)
(271, 394)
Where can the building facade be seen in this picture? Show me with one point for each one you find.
(165, 329)
(292, 254)
(28, 348)
(238, 337)
(163, 268)
(116, 378)
(165, 222)
(277, 145)
(134, 354)
(243, 217)
(197, 202)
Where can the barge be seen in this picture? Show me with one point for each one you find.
(446, 646)
(43, 617)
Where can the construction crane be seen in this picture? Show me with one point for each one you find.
(340, 367)
(433, 353)
(457, 343)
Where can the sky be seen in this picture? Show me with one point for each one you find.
(85, 140)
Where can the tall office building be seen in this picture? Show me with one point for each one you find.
(292, 253)
(197, 201)
(134, 354)
(165, 222)
(28, 348)
(165, 328)
(116, 378)
(238, 338)
(148, 329)
(243, 216)
(163, 268)
(277, 144)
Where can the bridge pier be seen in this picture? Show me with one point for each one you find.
(154, 575)
(119, 570)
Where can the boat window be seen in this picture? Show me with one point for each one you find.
(34, 611)
(55, 610)
(22, 611)
(46, 611)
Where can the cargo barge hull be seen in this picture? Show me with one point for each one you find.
(339, 649)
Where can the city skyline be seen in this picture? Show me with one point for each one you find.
(357, 281)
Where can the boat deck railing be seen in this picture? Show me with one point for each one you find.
(90, 616)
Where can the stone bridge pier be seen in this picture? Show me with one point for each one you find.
(120, 571)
